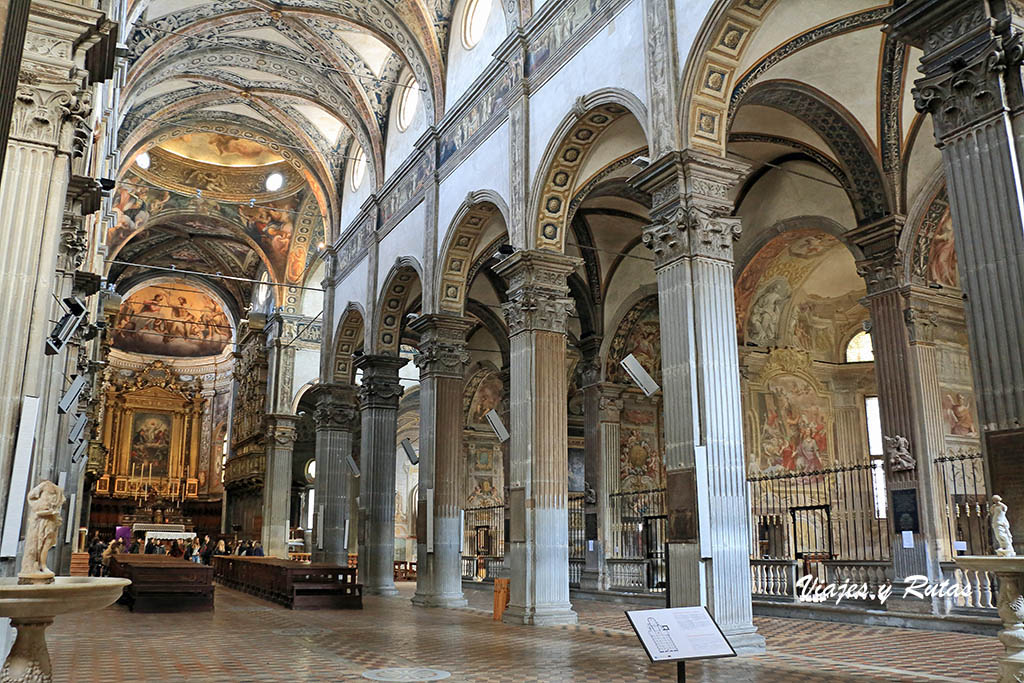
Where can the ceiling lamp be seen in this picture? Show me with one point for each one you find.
(143, 161)
(274, 182)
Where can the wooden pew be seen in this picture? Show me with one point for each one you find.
(296, 585)
(160, 583)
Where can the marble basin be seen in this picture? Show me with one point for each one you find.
(65, 595)
(32, 607)
(1010, 573)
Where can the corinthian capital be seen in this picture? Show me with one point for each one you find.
(442, 347)
(380, 387)
(336, 406)
(692, 233)
(538, 290)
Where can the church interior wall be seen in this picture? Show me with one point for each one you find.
(399, 143)
(606, 61)
(405, 240)
(352, 200)
(464, 65)
(352, 288)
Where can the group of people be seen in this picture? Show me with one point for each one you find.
(200, 552)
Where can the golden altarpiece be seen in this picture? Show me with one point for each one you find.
(151, 434)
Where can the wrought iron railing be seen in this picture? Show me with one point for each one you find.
(636, 558)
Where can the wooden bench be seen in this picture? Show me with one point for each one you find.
(160, 583)
(292, 584)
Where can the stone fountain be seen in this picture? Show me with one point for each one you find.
(36, 596)
(1009, 569)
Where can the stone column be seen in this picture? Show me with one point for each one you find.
(336, 413)
(537, 309)
(708, 527)
(903, 402)
(378, 398)
(442, 362)
(972, 87)
(277, 484)
(601, 439)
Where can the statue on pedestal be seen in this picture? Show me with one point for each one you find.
(900, 458)
(1000, 527)
(44, 504)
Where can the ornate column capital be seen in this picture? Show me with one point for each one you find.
(969, 46)
(442, 347)
(882, 265)
(336, 406)
(922, 323)
(691, 206)
(380, 387)
(537, 290)
(281, 430)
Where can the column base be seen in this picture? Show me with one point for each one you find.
(534, 616)
(387, 591)
(449, 601)
(747, 642)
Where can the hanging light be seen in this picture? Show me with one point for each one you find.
(274, 182)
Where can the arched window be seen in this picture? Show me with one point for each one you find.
(358, 169)
(474, 21)
(859, 349)
(409, 101)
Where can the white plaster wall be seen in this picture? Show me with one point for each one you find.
(924, 158)
(352, 289)
(690, 15)
(631, 275)
(612, 59)
(352, 200)
(406, 239)
(465, 65)
(620, 138)
(486, 169)
(400, 144)
(312, 300)
(307, 368)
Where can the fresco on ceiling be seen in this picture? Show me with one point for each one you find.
(221, 149)
(269, 225)
(942, 260)
(173, 320)
(794, 423)
(800, 290)
(639, 334)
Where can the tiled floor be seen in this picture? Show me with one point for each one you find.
(247, 639)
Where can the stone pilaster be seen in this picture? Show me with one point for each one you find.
(538, 544)
(277, 484)
(335, 414)
(972, 87)
(378, 402)
(708, 528)
(442, 361)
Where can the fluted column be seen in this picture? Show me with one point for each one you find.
(906, 404)
(708, 526)
(378, 402)
(972, 87)
(277, 484)
(538, 544)
(442, 361)
(336, 413)
(601, 438)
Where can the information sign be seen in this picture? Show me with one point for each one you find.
(679, 633)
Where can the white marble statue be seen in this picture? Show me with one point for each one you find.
(1000, 527)
(44, 504)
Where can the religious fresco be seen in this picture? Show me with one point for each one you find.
(485, 398)
(640, 466)
(456, 136)
(484, 494)
(171, 321)
(942, 261)
(221, 149)
(150, 443)
(572, 20)
(639, 334)
(957, 413)
(793, 427)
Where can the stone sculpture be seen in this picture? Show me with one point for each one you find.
(44, 503)
(1000, 527)
(900, 458)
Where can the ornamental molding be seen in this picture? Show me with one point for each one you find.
(336, 407)
(692, 233)
(52, 117)
(442, 347)
(380, 386)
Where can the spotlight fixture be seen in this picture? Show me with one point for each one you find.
(78, 428)
(274, 182)
(143, 161)
(410, 452)
(66, 326)
(497, 425)
(71, 397)
(352, 466)
(639, 375)
(641, 162)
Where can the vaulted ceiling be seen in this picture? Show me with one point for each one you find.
(219, 94)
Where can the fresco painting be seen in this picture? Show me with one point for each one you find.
(639, 334)
(171, 321)
(942, 262)
(794, 424)
(486, 398)
(221, 149)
